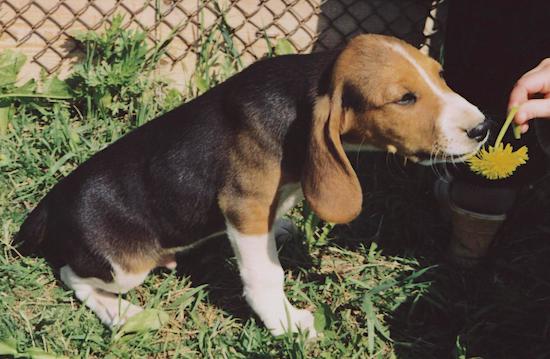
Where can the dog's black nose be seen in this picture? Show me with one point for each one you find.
(479, 132)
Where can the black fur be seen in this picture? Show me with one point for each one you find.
(160, 182)
(353, 99)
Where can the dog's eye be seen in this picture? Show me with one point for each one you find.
(408, 99)
(442, 74)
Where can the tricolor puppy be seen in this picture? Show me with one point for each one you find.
(237, 158)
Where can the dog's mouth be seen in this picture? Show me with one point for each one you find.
(427, 159)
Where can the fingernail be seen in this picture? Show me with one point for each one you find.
(524, 128)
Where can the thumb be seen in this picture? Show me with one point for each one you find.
(539, 108)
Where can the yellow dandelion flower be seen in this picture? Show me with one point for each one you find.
(499, 161)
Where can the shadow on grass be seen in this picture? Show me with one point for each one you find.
(213, 264)
(499, 309)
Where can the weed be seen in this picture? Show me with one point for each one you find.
(217, 56)
(114, 80)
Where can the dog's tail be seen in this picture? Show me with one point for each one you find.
(33, 230)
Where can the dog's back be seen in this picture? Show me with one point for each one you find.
(157, 187)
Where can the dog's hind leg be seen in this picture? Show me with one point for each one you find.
(99, 295)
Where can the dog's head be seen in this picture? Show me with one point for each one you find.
(385, 94)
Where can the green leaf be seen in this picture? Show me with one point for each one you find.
(57, 165)
(36, 353)
(327, 227)
(323, 318)
(41, 109)
(368, 309)
(460, 349)
(106, 100)
(4, 119)
(54, 87)
(8, 346)
(202, 84)
(78, 35)
(74, 136)
(372, 321)
(284, 47)
(4, 161)
(149, 319)
(27, 88)
(10, 65)
(185, 299)
(320, 320)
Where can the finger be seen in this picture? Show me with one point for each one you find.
(530, 83)
(524, 128)
(543, 65)
(518, 96)
(533, 109)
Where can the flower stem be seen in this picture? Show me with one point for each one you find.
(517, 131)
(507, 123)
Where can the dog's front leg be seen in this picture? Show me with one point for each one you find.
(249, 200)
(263, 282)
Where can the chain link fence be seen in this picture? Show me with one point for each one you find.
(42, 28)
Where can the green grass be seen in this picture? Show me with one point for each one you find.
(380, 287)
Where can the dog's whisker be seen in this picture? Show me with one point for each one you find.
(433, 159)
(358, 154)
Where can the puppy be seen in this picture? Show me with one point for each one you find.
(237, 158)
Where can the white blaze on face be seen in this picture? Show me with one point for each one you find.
(457, 115)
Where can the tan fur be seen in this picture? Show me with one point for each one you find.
(138, 262)
(144, 260)
(329, 182)
(383, 76)
(249, 195)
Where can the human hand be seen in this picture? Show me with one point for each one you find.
(532, 94)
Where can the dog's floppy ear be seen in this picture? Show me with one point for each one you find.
(329, 183)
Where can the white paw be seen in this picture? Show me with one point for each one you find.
(284, 229)
(300, 320)
(171, 265)
(305, 321)
(168, 261)
(118, 315)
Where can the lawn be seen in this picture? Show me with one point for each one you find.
(381, 287)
